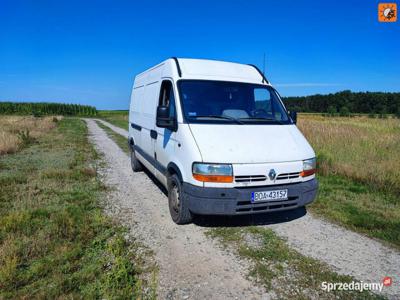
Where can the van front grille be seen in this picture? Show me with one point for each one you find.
(254, 178)
(247, 206)
(250, 178)
(288, 176)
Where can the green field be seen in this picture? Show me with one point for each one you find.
(359, 148)
(55, 241)
(359, 165)
(116, 117)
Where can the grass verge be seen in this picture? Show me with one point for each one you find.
(282, 270)
(121, 141)
(359, 207)
(55, 242)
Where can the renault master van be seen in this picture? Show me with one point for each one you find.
(218, 137)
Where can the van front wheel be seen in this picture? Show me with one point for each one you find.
(178, 206)
(135, 163)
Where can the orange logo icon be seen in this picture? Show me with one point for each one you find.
(387, 12)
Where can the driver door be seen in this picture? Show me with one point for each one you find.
(165, 142)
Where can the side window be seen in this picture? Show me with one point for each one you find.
(167, 97)
(262, 99)
(278, 110)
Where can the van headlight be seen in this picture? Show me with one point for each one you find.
(309, 167)
(212, 172)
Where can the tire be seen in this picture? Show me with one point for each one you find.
(177, 202)
(135, 163)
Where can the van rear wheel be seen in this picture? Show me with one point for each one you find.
(135, 163)
(178, 206)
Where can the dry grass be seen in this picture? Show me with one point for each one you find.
(16, 131)
(360, 148)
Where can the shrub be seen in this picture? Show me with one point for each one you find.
(25, 137)
(332, 110)
(344, 111)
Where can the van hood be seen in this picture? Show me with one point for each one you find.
(250, 143)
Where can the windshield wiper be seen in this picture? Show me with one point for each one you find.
(263, 119)
(220, 117)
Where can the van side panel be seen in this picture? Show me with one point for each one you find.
(143, 108)
(149, 105)
(134, 113)
(148, 119)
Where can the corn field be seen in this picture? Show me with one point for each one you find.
(42, 108)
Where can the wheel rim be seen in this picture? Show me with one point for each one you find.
(175, 197)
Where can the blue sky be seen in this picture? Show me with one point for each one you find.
(89, 51)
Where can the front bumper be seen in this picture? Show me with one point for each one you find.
(237, 201)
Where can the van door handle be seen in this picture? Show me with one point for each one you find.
(153, 134)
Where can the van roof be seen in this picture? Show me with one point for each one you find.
(205, 69)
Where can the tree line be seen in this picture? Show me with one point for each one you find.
(346, 102)
(43, 108)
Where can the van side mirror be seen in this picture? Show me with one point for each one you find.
(293, 116)
(163, 120)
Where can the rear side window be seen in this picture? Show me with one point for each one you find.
(167, 97)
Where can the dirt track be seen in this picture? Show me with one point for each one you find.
(192, 266)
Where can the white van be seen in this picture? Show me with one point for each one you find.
(218, 137)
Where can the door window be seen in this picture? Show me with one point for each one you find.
(167, 97)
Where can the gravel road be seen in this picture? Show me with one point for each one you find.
(192, 266)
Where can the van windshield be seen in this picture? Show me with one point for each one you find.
(205, 101)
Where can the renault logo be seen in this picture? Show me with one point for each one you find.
(272, 174)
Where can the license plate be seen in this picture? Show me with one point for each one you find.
(274, 195)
